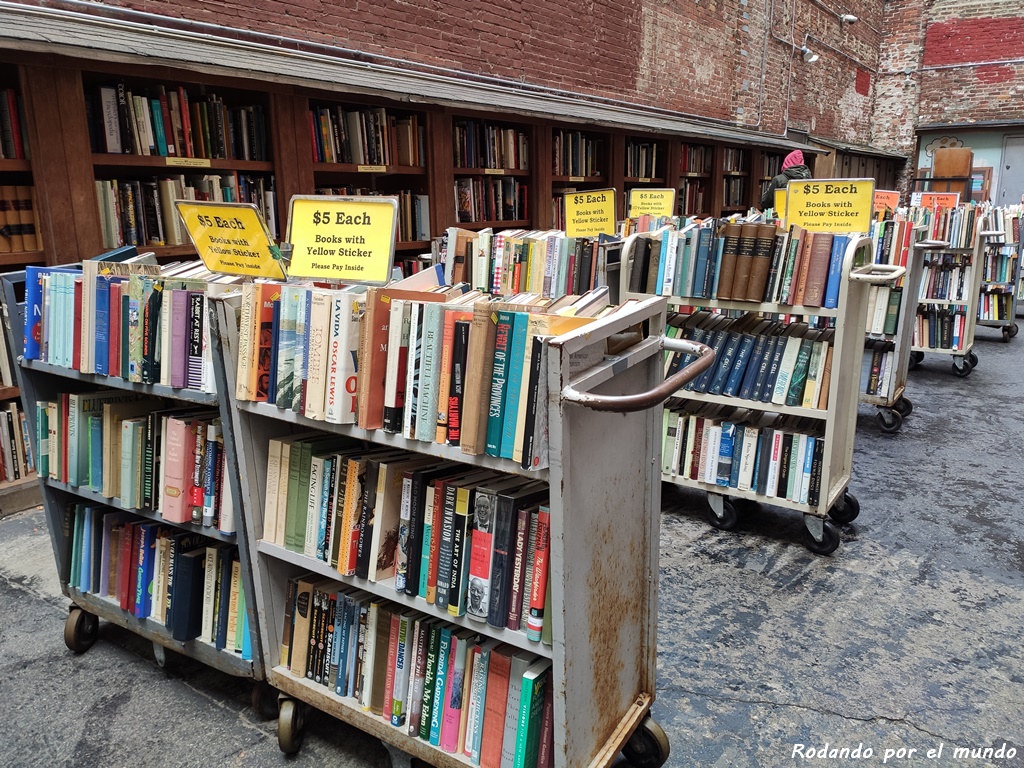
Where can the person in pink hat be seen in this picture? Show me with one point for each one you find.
(792, 168)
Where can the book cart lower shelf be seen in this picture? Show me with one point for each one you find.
(42, 381)
(838, 421)
(997, 304)
(604, 496)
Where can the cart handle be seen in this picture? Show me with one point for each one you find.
(877, 274)
(652, 397)
(932, 244)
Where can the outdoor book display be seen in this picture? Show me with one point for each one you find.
(415, 583)
(1000, 272)
(131, 455)
(774, 418)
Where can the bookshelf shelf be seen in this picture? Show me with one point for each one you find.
(459, 171)
(187, 164)
(8, 393)
(375, 170)
(390, 439)
(945, 302)
(827, 476)
(644, 180)
(735, 173)
(412, 245)
(516, 224)
(601, 179)
(67, 508)
(595, 525)
(156, 390)
(225, 661)
(386, 590)
(19, 258)
(8, 165)
(99, 498)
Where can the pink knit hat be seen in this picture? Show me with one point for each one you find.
(796, 157)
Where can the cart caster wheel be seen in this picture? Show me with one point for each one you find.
(890, 420)
(963, 370)
(903, 407)
(845, 511)
(81, 630)
(829, 540)
(648, 746)
(973, 359)
(290, 726)
(1006, 334)
(917, 357)
(1013, 330)
(160, 655)
(729, 518)
(263, 699)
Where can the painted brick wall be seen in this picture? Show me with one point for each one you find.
(726, 59)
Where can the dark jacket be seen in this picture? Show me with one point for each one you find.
(780, 181)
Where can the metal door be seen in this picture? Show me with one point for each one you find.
(1011, 171)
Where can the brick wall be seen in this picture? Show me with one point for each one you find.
(731, 60)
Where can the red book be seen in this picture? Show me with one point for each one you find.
(65, 417)
(494, 707)
(76, 353)
(186, 123)
(389, 680)
(539, 582)
(179, 464)
(114, 335)
(124, 566)
(267, 294)
(312, 135)
(12, 107)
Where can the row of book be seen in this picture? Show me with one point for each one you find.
(998, 264)
(995, 306)
(880, 367)
(757, 359)
(947, 276)
(19, 230)
(884, 303)
(1006, 219)
(181, 580)
(413, 222)
(468, 542)
(957, 226)
(12, 139)
(642, 159)
(478, 144)
(771, 165)
(694, 196)
(167, 121)
(466, 695)
(499, 198)
(575, 153)
(124, 446)
(696, 158)
(734, 191)
(742, 262)
(19, 457)
(940, 327)
(781, 459)
(138, 321)
(734, 160)
(134, 212)
(371, 136)
(545, 262)
(434, 363)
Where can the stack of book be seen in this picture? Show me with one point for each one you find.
(124, 315)
(125, 446)
(370, 136)
(181, 580)
(501, 198)
(488, 702)
(487, 145)
(575, 153)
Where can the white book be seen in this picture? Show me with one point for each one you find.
(771, 488)
(272, 489)
(157, 600)
(711, 454)
(748, 458)
(209, 594)
(521, 662)
(426, 409)
(318, 348)
(481, 267)
(412, 370)
(668, 286)
(801, 450)
(869, 318)
(881, 307)
(396, 326)
(681, 421)
(789, 357)
(316, 475)
(806, 469)
(111, 124)
(246, 339)
(477, 701)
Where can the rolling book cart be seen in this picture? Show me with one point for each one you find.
(601, 524)
(889, 396)
(997, 304)
(41, 381)
(835, 425)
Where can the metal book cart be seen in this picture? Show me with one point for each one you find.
(41, 381)
(839, 420)
(999, 248)
(605, 523)
(892, 403)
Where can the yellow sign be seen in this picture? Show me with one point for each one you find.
(830, 205)
(590, 213)
(886, 201)
(940, 199)
(346, 239)
(780, 204)
(494, 171)
(231, 238)
(652, 202)
(188, 162)
(372, 168)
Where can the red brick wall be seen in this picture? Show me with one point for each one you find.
(727, 59)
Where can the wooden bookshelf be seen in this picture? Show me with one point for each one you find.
(694, 185)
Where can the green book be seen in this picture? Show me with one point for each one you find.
(298, 488)
(795, 393)
(531, 708)
(42, 440)
(429, 678)
(240, 623)
(892, 312)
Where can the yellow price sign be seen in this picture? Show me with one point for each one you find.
(779, 205)
(830, 205)
(651, 202)
(347, 239)
(590, 213)
(231, 238)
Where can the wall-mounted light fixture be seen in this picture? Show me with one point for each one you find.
(847, 18)
(809, 56)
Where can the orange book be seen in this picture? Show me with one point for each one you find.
(800, 270)
(494, 707)
(263, 339)
(817, 269)
(444, 378)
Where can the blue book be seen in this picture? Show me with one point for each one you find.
(700, 273)
(725, 451)
(274, 330)
(835, 271)
(763, 366)
(34, 305)
(246, 637)
(102, 344)
(725, 364)
(808, 464)
(85, 565)
(717, 248)
(514, 384)
(95, 427)
(325, 503)
(499, 381)
(339, 652)
(225, 561)
(437, 710)
(765, 395)
(737, 454)
(720, 339)
(739, 368)
(656, 289)
(761, 345)
(158, 127)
